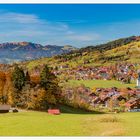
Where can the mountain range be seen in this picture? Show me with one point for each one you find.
(21, 51)
(120, 49)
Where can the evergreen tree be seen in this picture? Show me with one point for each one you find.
(46, 78)
(49, 82)
(27, 77)
(18, 78)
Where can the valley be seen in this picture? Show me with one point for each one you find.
(69, 69)
(89, 86)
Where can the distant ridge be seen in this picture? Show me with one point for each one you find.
(20, 51)
(109, 45)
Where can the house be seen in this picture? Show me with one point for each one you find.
(133, 104)
(96, 100)
(119, 97)
(4, 108)
(64, 66)
(92, 94)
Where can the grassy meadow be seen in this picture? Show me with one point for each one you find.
(101, 83)
(72, 123)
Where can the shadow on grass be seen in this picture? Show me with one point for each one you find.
(71, 110)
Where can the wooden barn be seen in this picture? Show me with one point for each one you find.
(54, 111)
(4, 108)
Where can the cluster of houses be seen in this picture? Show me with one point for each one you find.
(122, 72)
(103, 97)
(128, 98)
(106, 98)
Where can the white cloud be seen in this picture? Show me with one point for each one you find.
(18, 18)
(30, 27)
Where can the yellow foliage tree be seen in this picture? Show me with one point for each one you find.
(2, 84)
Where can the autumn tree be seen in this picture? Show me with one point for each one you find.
(2, 84)
(9, 89)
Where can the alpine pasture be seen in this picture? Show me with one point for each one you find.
(70, 123)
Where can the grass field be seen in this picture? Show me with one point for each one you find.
(72, 123)
(102, 83)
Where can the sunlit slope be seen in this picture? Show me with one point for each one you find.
(125, 53)
(129, 52)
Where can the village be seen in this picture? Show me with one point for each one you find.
(123, 99)
(124, 72)
(112, 99)
(128, 99)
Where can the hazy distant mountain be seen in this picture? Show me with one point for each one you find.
(20, 51)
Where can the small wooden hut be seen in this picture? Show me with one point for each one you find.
(54, 111)
(4, 108)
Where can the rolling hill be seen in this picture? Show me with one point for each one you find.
(121, 50)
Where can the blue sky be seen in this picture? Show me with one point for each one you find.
(59, 24)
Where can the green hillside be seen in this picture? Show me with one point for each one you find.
(101, 56)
